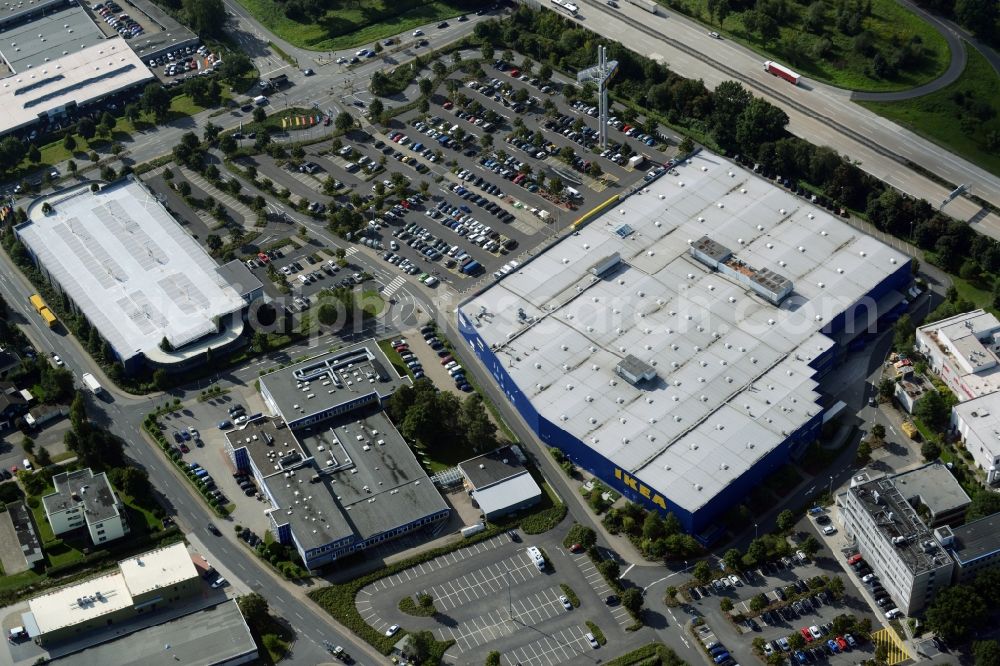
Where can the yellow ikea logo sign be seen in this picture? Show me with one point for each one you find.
(631, 482)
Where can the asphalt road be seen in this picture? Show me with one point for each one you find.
(820, 113)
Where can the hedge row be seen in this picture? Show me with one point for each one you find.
(544, 520)
(410, 607)
(598, 634)
(570, 594)
(653, 654)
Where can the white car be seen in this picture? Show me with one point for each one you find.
(714, 35)
(26, 464)
(58, 361)
(341, 60)
(829, 529)
(590, 639)
(565, 602)
(219, 582)
(391, 631)
(735, 580)
(242, 418)
(418, 33)
(815, 632)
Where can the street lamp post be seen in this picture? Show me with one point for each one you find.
(831, 488)
(755, 530)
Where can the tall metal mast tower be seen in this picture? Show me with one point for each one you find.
(600, 73)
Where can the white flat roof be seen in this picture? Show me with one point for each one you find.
(91, 73)
(733, 376)
(158, 568)
(63, 607)
(136, 274)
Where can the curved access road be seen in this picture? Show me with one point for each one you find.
(954, 36)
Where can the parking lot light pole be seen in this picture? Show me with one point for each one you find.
(831, 487)
(755, 530)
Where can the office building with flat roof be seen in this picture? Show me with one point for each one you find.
(86, 500)
(330, 384)
(135, 273)
(902, 551)
(140, 584)
(674, 346)
(962, 350)
(934, 493)
(977, 422)
(339, 476)
(974, 546)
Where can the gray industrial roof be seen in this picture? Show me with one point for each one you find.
(733, 375)
(171, 35)
(135, 273)
(82, 486)
(976, 539)
(330, 379)
(370, 482)
(214, 635)
(80, 77)
(493, 467)
(935, 486)
(241, 278)
(11, 9)
(36, 44)
(269, 443)
(499, 497)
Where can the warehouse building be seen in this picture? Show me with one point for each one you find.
(17, 12)
(674, 346)
(57, 89)
(339, 477)
(135, 274)
(499, 483)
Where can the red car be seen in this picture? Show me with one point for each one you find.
(856, 557)
(184, 448)
(806, 635)
(446, 360)
(447, 105)
(404, 203)
(576, 548)
(841, 643)
(263, 257)
(515, 73)
(326, 121)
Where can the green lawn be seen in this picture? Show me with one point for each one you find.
(354, 23)
(889, 23)
(959, 117)
(372, 302)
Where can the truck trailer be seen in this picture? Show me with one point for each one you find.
(649, 5)
(781, 71)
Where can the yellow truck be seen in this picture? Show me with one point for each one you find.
(43, 310)
(910, 430)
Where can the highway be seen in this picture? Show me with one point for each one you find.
(819, 113)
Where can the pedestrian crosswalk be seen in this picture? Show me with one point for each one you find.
(393, 286)
(352, 250)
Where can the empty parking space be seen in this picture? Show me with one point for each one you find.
(601, 587)
(524, 611)
(483, 583)
(554, 648)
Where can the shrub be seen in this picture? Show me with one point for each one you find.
(544, 520)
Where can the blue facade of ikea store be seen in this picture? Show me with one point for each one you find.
(701, 520)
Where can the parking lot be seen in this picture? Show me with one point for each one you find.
(489, 595)
(206, 448)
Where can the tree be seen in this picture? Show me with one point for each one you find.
(785, 521)
(903, 332)
(132, 112)
(632, 600)
(933, 410)
(34, 155)
(71, 166)
(486, 51)
(426, 86)
(28, 445)
(702, 572)
(161, 379)
(796, 641)
(108, 122)
(43, 457)
(980, 16)
(155, 100)
(956, 612)
(733, 559)
(133, 481)
(344, 121)
(375, 109)
(259, 114)
(686, 145)
(86, 128)
(78, 411)
(986, 653)
(234, 66)
(984, 503)
(206, 17)
(421, 643)
(255, 610)
(930, 450)
(609, 570)
(878, 431)
(228, 145)
(864, 454)
(760, 122)
(758, 602)
(726, 604)
(69, 143)
(729, 100)
(886, 389)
